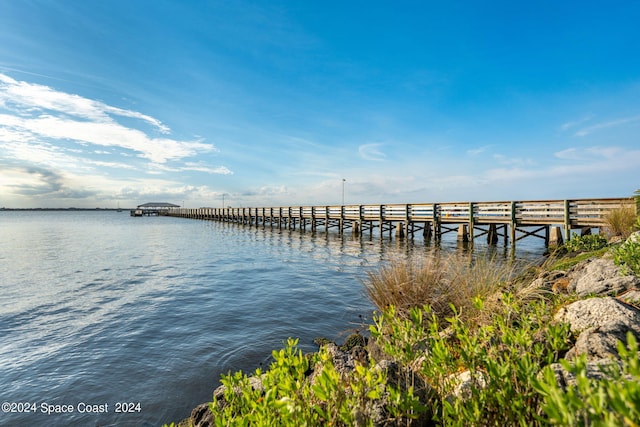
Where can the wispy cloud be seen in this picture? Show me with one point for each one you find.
(605, 125)
(220, 170)
(59, 145)
(512, 161)
(34, 113)
(572, 124)
(594, 153)
(371, 152)
(479, 150)
(29, 97)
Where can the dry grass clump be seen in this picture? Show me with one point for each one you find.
(622, 221)
(439, 280)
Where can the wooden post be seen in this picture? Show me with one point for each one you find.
(492, 235)
(471, 222)
(555, 239)
(567, 220)
(437, 225)
(462, 233)
(408, 223)
(513, 225)
(426, 232)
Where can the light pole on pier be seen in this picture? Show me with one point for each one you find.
(343, 181)
(222, 200)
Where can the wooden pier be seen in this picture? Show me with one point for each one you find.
(511, 221)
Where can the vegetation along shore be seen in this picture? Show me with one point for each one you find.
(461, 340)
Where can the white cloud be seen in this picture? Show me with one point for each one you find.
(569, 125)
(512, 161)
(594, 154)
(371, 152)
(29, 97)
(105, 134)
(221, 170)
(612, 123)
(479, 150)
(55, 145)
(38, 112)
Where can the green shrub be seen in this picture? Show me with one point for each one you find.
(591, 242)
(627, 256)
(613, 400)
(286, 397)
(501, 358)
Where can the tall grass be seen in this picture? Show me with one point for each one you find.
(621, 221)
(442, 281)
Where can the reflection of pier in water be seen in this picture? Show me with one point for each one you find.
(551, 220)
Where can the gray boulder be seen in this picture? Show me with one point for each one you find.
(594, 370)
(601, 276)
(633, 238)
(600, 323)
(201, 416)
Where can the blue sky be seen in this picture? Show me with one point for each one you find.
(276, 102)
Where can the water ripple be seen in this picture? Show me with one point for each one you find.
(104, 307)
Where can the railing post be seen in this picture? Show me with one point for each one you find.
(567, 220)
(471, 221)
(513, 224)
(437, 222)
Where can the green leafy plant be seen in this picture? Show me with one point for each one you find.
(611, 400)
(499, 359)
(590, 242)
(285, 396)
(627, 256)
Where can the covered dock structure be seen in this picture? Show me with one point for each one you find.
(154, 209)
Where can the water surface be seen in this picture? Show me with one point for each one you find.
(101, 308)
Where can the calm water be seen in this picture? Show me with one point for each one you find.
(99, 308)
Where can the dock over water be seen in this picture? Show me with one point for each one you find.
(509, 221)
(152, 209)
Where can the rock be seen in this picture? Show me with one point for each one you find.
(343, 361)
(354, 340)
(631, 296)
(598, 312)
(600, 323)
(465, 382)
(561, 286)
(614, 240)
(602, 277)
(567, 379)
(255, 382)
(201, 416)
(601, 343)
(576, 272)
(547, 279)
(375, 351)
(633, 238)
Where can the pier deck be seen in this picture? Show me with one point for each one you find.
(551, 220)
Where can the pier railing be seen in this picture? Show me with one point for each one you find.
(433, 219)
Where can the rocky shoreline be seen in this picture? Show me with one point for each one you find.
(605, 310)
